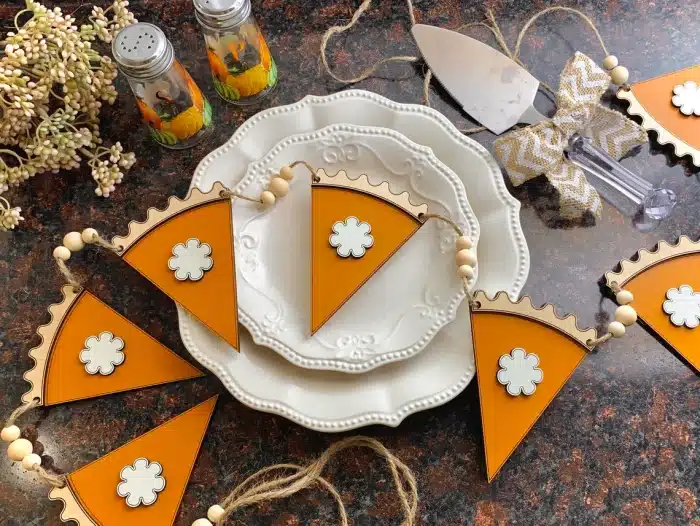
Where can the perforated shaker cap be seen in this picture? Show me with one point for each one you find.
(142, 51)
(221, 14)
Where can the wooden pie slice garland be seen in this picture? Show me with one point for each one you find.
(356, 227)
(523, 357)
(187, 252)
(663, 286)
(89, 350)
(143, 481)
(653, 101)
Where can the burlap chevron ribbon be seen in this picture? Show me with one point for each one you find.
(539, 149)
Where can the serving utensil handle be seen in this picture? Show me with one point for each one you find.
(623, 188)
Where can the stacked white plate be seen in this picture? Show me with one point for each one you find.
(377, 360)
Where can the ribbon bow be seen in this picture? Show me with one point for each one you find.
(539, 149)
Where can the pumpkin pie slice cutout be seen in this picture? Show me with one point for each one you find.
(89, 349)
(653, 101)
(665, 284)
(523, 357)
(186, 251)
(141, 482)
(356, 227)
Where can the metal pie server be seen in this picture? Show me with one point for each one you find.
(498, 93)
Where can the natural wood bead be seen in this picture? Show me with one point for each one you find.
(61, 253)
(30, 461)
(610, 62)
(73, 241)
(619, 75)
(465, 257)
(616, 329)
(464, 242)
(202, 522)
(88, 235)
(10, 433)
(465, 271)
(268, 198)
(215, 513)
(19, 449)
(286, 173)
(626, 315)
(278, 186)
(624, 297)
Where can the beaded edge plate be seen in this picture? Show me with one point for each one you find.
(330, 401)
(402, 307)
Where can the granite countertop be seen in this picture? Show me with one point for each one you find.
(617, 446)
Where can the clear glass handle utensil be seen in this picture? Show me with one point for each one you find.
(621, 187)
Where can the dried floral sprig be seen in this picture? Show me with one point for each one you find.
(52, 86)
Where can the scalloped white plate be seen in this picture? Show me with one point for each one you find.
(399, 310)
(332, 401)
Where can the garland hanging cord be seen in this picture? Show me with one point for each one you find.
(492, 26)
(262, 486)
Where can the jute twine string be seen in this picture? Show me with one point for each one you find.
(334, 30)
(305, 477)
(605, 337)
(20, 411)
(69, 276)
(597, 341)
(492, 26)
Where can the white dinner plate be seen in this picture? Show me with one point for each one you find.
(333, 401)
(405, 303)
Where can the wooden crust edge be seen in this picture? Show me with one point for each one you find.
(381, 190)
(72, 511)
(155, 216)
(36, 376)
(680, 147)
(523, 307)
(644, 259)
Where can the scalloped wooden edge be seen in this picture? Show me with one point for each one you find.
(381, 190)
(680, 147)
(72, 511)
(523, 307)
(644, 259)
(40, 354)
(155, 216)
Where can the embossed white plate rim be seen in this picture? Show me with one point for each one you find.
(449, 306)
(356, 415)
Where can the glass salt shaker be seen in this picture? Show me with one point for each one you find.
(243, 70)
(172, 106)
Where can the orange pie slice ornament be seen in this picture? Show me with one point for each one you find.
(670, 106)
(141, 482)
(665, 292)
(89, 349)
(523, 356)
(186, 251)
(356, 227)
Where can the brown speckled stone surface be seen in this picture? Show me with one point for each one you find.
(619, 445)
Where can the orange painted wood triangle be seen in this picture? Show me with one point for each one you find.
(212, 299)
(649, 288)
(146, 362)
(91, 492)
(655, 95)
(334, 279)
(506, 419)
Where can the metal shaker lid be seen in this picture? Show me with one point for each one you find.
(220, 14)
(142, 51)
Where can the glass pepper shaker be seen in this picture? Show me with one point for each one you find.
(243, 70)
(172, 106)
